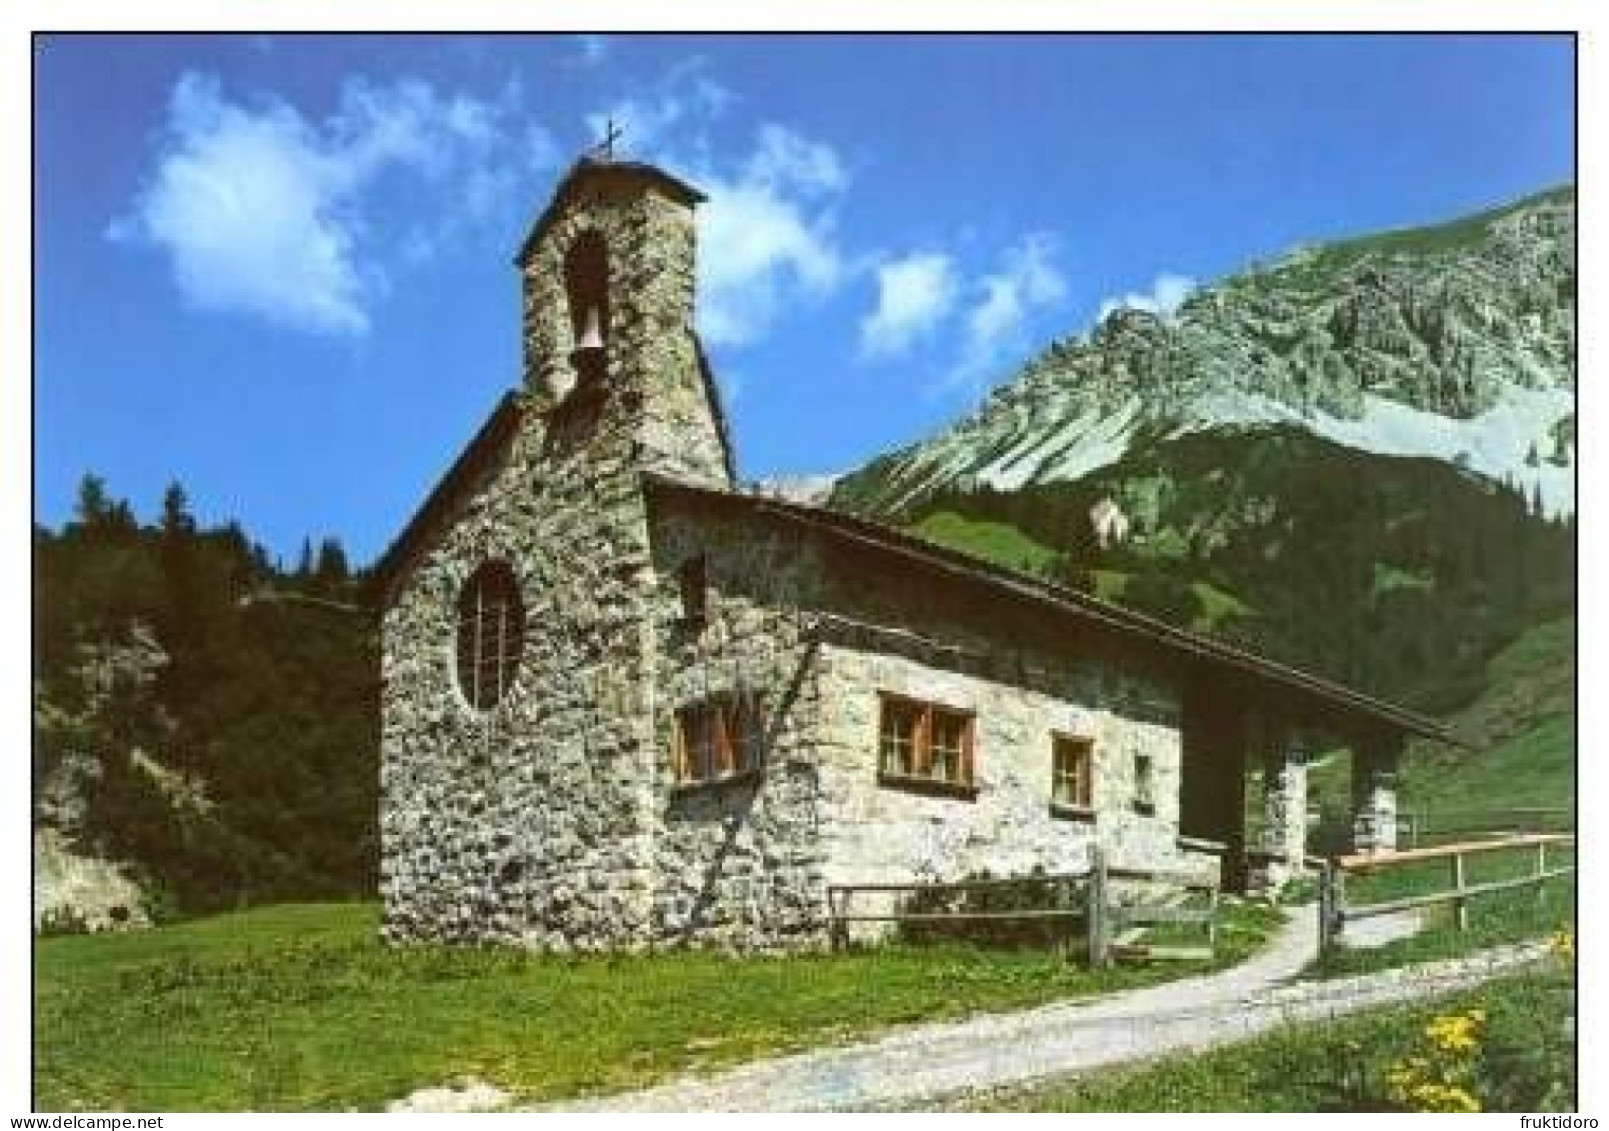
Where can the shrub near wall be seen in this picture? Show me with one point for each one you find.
(1032, 893)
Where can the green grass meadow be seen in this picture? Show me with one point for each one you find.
(299, 1007)
(998, 541)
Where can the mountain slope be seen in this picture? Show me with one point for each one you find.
(1455, 342)
(1359, 459)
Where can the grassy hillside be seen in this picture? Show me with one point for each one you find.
(1522, 733)
(1205, 607)
(997, 541)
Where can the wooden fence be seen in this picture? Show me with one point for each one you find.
(1335, 912)
(1083, 903)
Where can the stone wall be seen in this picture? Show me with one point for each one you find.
(739, 863)
(880, 831)
(746, 864)
(523, 822)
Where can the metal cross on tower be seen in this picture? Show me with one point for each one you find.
(605, 148)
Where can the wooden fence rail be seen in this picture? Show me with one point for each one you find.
(1075, 898)
(1335, 912)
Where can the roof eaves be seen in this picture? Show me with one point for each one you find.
(1116, 617)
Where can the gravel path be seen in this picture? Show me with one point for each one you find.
(1382, 929)
(926, 1064)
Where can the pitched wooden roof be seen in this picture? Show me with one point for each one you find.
(1058, 600)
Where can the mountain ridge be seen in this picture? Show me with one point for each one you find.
(1454, 341)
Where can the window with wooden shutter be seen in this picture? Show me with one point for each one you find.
(922, 742)
(1072, 773)
(718, 738)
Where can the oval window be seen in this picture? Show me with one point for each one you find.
(491, 631)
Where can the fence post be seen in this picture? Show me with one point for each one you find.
(1460, 903)
(1541, 870)
(1064, 903)
(1326, 906)
(1096, 918)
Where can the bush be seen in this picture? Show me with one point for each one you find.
(1035, 892)
(63, 919)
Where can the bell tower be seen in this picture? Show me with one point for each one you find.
(612, 357)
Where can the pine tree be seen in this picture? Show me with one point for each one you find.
(177, 521)
(93, 504)
(331, 570)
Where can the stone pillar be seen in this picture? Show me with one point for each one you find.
(1285, 802)
(1374, 794)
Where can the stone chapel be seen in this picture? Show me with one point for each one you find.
(626, 704)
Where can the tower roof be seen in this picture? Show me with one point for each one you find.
(600, 174)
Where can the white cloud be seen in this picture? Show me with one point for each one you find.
(263, 212)
(783, 161)
(1167, 292)
(1026, 282)
(757, 249)
(766, 235)
(914, 294)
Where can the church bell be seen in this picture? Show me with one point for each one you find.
(591, 334)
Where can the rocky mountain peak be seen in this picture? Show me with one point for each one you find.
(1453, 342)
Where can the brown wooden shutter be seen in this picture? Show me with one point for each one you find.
(922, 743)
(967, 726)
(721, 720)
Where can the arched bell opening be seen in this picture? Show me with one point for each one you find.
(586, 287)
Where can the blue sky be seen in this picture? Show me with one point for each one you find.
(278, 269)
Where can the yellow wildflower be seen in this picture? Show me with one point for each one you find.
(1563, 945)
(1455, 1033)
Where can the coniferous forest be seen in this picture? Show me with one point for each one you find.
(1400, 577)
(201, 712)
